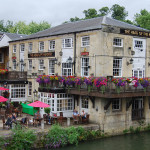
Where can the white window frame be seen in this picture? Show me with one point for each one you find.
(18, 91)
(85, 41)
(85, 72)
(30, 47)
(41, 46)
(84, 102)
(41, 64)
(117, 42)
(138, 73)
(30, 64)
(2, 56)
(52, 45)
(117, 70)
(51, 67)
(67, 43)
(22, 47)
(14, 64)
(116, 104)
(14, 48)
(29, 88)
(67, 69)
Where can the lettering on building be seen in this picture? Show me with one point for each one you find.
(135, 33)
(46, 54)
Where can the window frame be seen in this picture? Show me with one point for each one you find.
(119, 68)
(30, 47)
(114, 101)
(41, 48)
(87, 43)
(117, 43)
(14, 48)
(84, 102)
(52, 45)
(30, 89)
(84, 67)
(51, 67)
(22, 47)
(69, 66)
(14, 64)
(41, 64)
(64, 45)
(30, 64)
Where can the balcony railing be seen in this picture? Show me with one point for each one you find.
(14, 76)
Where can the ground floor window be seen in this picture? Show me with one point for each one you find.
(58, 101)
(138, 73)
(84, 102)
(18, 91)
(116, 104)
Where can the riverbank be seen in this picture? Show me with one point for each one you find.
(56, 136)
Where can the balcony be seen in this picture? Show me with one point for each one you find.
(13, 76)
(97, 86)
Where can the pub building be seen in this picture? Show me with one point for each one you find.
(99, 47)
(14, 80)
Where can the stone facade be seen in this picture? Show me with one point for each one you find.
(101, 53)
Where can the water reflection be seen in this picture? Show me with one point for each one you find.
(139, 141)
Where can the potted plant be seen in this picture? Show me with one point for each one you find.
(47, 110)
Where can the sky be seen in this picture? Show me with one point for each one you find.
(56, 12)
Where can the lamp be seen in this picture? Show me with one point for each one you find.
(69, 60)
(130, 62)
(148, 63)
(60, 53)
(55, 60)
(22, 62)
(35, 92)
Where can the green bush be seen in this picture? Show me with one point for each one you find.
(125, 131)
(20, 139)
(56, 137)
(47, 110)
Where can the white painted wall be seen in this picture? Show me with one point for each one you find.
(4, 40)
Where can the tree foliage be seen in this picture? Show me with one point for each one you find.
(22, 28)
(118, 12)
(104, 11)
(143, 19)
(90, 13)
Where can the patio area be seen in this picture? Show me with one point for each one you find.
(6, 131)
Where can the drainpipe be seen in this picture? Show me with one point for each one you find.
(74, 61)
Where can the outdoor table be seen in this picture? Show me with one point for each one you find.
(37, 120)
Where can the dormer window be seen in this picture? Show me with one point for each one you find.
(118, 42)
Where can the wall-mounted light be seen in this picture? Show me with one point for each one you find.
(148, 63)
(35, 92)
(130, 62)
(44, 67)
(22, 62)
(60, 53)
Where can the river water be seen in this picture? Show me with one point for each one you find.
(140, 141)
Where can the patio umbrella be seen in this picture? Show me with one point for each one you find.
(3, 89)
(3, 99)
(39, 104)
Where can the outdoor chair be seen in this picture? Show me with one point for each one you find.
(45, 118)
(75, 119)
(61, 114)
(86, 120)
(3, 121)
(60, 120)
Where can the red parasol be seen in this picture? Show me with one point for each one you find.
(3, 99)
(3, 89)
(39, 104)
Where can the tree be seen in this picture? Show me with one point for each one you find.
(104, 11)
(118, 12)
(90, 13)
(143, 19)
(74, 19)
(22, 28)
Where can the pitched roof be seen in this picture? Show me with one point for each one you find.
(82, 25)
(15, 36)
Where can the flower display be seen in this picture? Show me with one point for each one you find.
(90, 82)
(3, 71)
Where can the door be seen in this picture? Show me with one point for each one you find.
(139, 46)
(137, 109)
